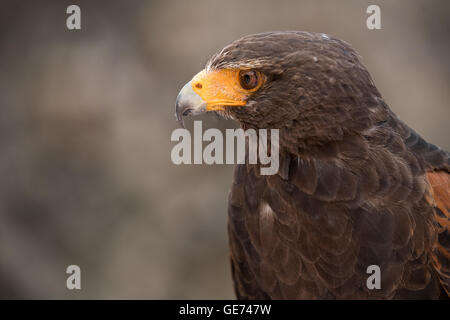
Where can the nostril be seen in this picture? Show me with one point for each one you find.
(198, 85)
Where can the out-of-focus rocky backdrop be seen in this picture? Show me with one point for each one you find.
(86, 118)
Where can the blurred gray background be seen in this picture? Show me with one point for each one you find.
(86, 118)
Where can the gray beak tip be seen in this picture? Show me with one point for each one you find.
(179, 118)
(188, 103)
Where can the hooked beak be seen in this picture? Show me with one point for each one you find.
(210, 91)
(188, 103)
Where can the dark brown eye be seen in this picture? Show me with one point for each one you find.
(249, 79)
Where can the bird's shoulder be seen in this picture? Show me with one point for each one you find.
(429, 161)
(319, 218)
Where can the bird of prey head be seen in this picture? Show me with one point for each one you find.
(310, 86)
(357, 189)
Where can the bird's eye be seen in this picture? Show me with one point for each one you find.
(249, 79)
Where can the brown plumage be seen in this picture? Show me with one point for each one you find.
(356, 186)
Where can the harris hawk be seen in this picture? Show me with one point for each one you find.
(356, 186)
